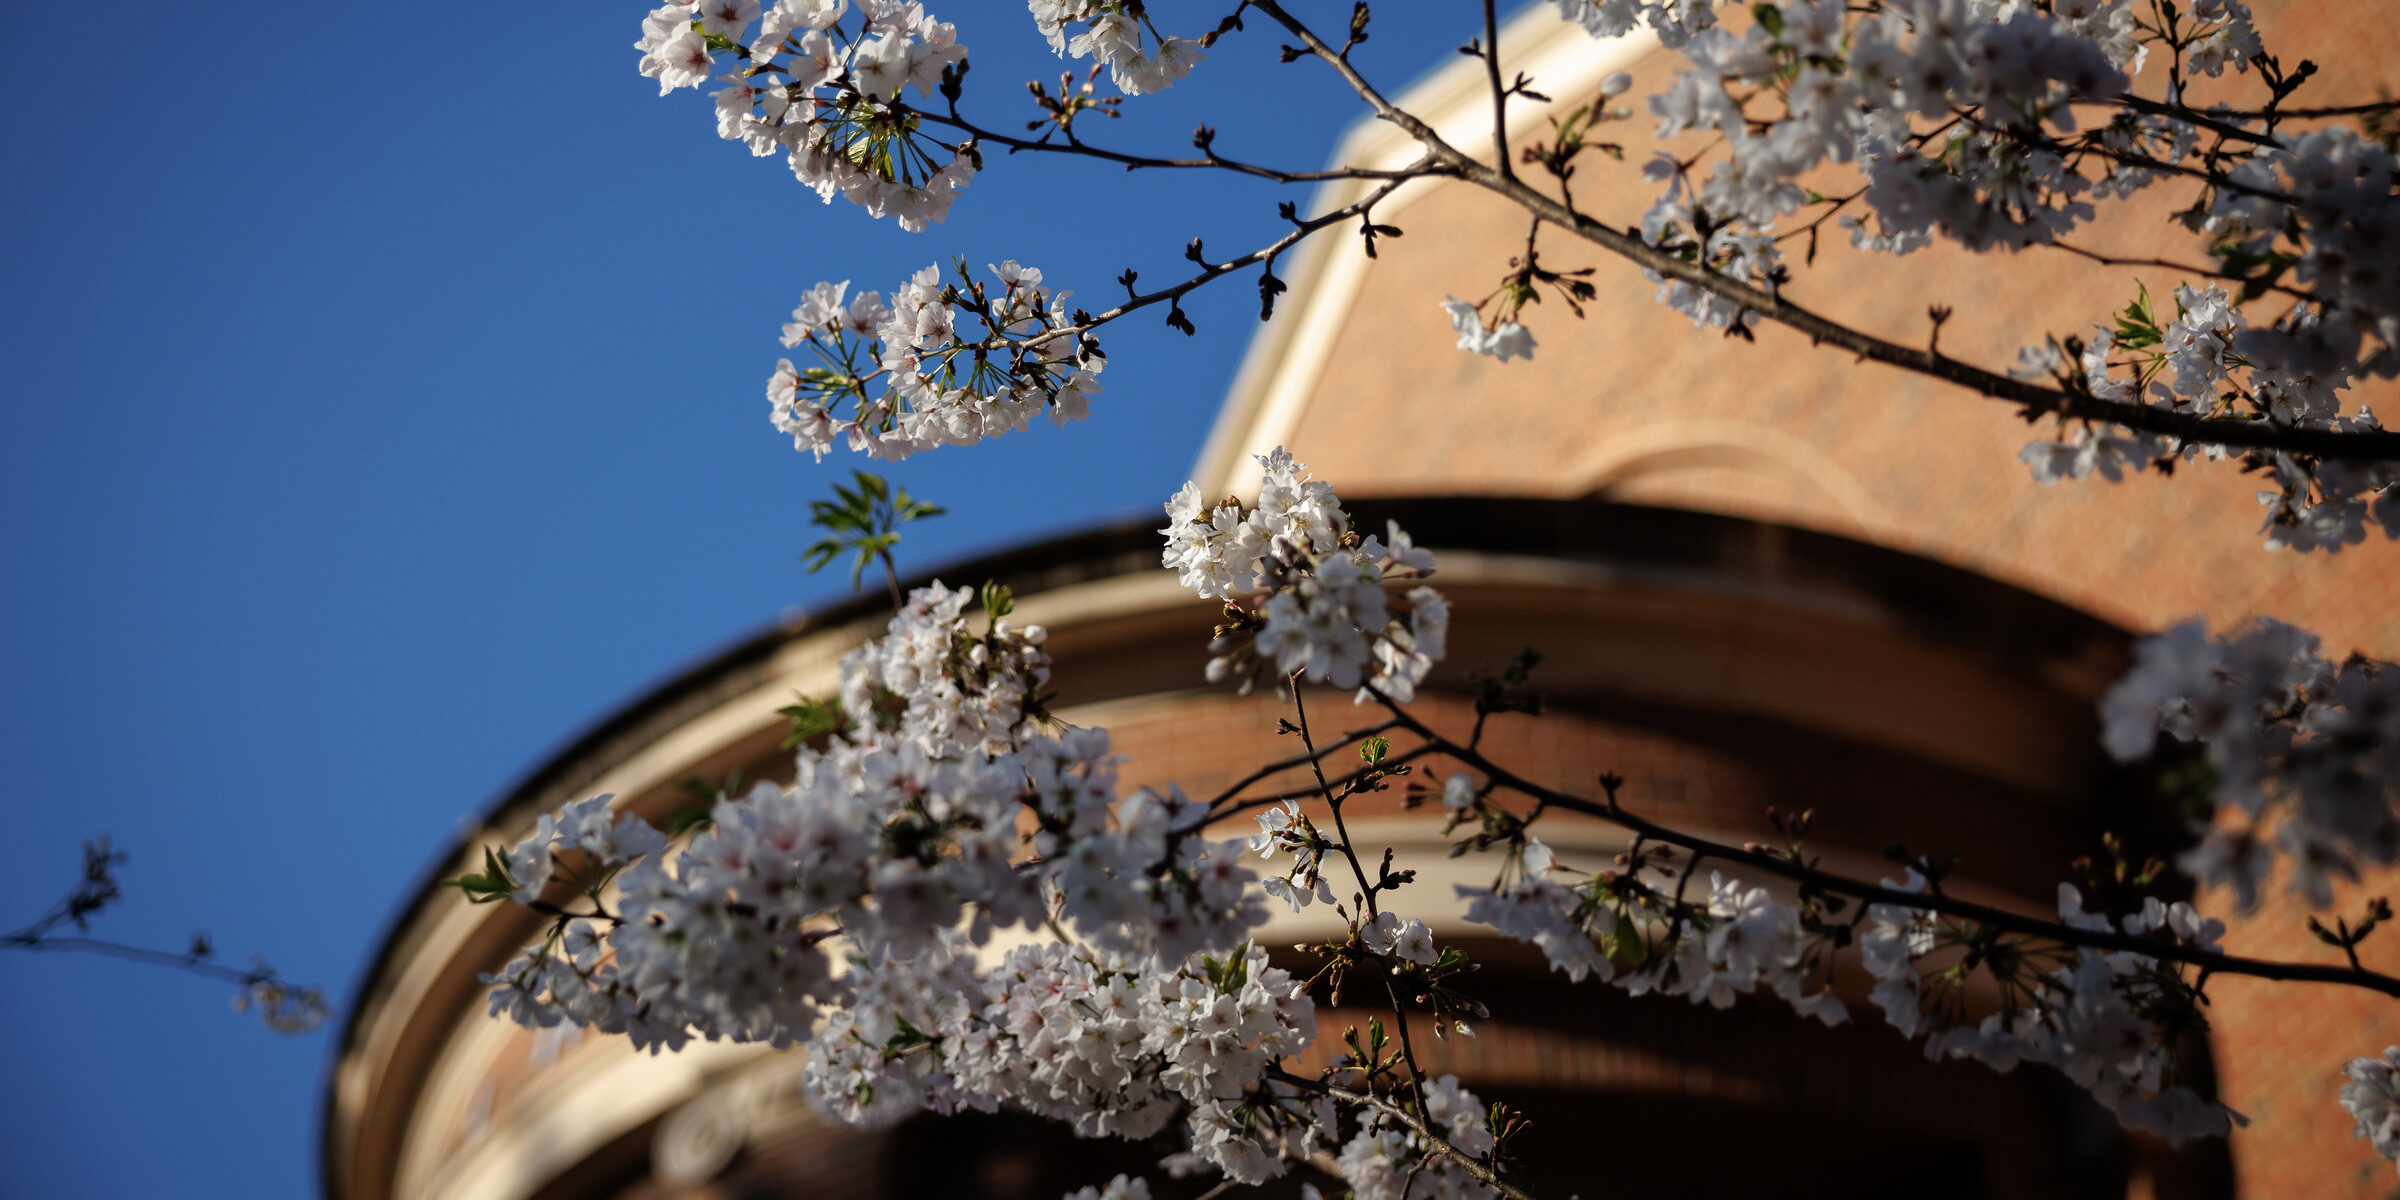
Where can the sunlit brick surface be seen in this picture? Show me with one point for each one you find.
(1634, 403)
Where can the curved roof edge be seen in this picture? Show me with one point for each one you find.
(1941, 603)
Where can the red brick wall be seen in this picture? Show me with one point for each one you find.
(1807, 437)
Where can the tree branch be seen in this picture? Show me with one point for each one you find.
(2222, 431)
(1474, 1166)
(1408, 1047)
(1299, 760)
(2110, 939)
(140, 954)
(1141, 162)
(2110, 260)
(2310, 114)
(2233, 432)
(287, 1008)
(2177, 112)
(1491, 70)
(1300, 230)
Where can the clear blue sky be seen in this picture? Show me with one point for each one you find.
(383, 404)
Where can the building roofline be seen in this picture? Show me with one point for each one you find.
(1944, 604)
(1051, 562)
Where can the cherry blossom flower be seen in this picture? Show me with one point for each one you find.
(1504, 341)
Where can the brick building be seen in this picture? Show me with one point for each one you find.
(1762, 575)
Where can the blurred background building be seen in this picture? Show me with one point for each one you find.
(1761, 575)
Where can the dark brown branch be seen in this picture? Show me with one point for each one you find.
(1474, 1166)
(1210, 272)
(2176, 112)
(1491, 70)
(1279, 766)
(2111, 260)
(2311, 114)
(2131, 158)
(1384, 109)
(1143, 162)
(1366, 893)
(2035, 399)
(1333, 803)
(156, 958)
(1246, 803)
(2000, 919)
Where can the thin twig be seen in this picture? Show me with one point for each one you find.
(1216, 271)
(2233, 432)
(2111, 260)
(156, 958)
(1281, 765)
(1301, 793)
(1408, 1048)
(1143, 162)
(1474, 1166)
(2001, 919)
(1491, 69)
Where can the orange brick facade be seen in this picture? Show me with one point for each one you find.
(1633, 403)
(1630, 404)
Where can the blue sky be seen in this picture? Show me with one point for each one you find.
(383, 404)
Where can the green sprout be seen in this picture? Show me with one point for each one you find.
(865, 519)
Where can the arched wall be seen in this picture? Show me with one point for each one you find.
(1720, 665)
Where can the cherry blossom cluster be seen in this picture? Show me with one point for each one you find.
(852, 913)
(1998, 79)
(281, 1006)
(2108, 1021)
(1503, 340)
(1288, 828)
(2207, 361)
(2001, 125)
(2372, 1098)
(1674, 20)
(905, 824)
(1739, 941)
(1386, 1161)
(1121, 1187)
(899, 375)
(1117, 1047)
(823, 94)
(586, 827)
(1114, 33)
(932, 683)
(2303, 754)
(1326, 615)
(2323, 199)
(1851, 89)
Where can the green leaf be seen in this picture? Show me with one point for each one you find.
(1630, 949)
(1520, 667)
(2137, 325)
(863, 518)
(998, 600)
(811, 718)
(492, 884)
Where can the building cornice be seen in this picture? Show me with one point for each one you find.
(1743, 612)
